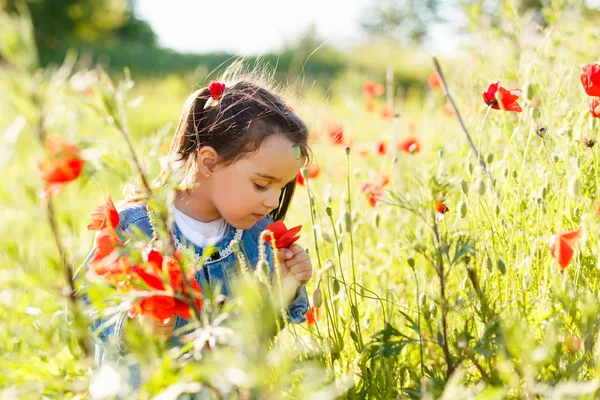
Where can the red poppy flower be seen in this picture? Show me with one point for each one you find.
(380, 148)
(434, 81)
(313, 314)
(496, 96)
(216, 89)
(440, 207)
(336, 134)
(409, 145)
(590, 79)
(106, 261)
(165, 306)
(595, 107)
(61, 167)
(561, 246)
(370, 106)
(371, 90)
(313, 172)
(374, 190)
(291, 109)
(105, 215)
(284, 237)
(385, 112)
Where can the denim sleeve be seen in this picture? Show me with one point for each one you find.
(299, 306)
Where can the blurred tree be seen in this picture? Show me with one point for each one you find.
(61, 22)
(400, 19)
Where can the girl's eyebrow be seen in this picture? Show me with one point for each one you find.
(268, 177)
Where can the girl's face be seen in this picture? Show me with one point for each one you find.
(245, 191)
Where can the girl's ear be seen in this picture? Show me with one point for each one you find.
(207, 159)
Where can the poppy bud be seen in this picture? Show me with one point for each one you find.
(469, 168)
(336, 286)
(433, 309)
(534, 113)
(422, 299)
(462, 209)
(411, 262)
(464, 187)
(318, 297)
(376, 220)
(529, 91)
(480, 186)
(328, 211)
(489, 157)
(347, 222)
(501, 267)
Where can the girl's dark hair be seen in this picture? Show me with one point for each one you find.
(246, 114)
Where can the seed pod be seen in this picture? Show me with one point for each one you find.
(411, 262)
(489, 157)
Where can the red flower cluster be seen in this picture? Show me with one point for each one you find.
(112, 263)
(590, 79)
(61, 167)
(165, 305)
(501, 99)
(283, 236)
(374, 189)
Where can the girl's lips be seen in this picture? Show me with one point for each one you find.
(258, 216)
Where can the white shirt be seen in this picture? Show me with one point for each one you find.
(200, 233)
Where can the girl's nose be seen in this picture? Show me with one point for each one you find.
(272, 200)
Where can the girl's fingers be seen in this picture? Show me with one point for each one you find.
(297, 259)
(301, 267)
(303, 277)
(284, 254)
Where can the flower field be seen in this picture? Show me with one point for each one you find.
(453, 233)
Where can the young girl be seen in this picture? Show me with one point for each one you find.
(240, 147)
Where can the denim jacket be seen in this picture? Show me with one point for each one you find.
(220, 267)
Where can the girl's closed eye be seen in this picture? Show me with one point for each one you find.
(261, 188)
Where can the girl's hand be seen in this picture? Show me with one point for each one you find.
(294, 262)
(162, 328)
